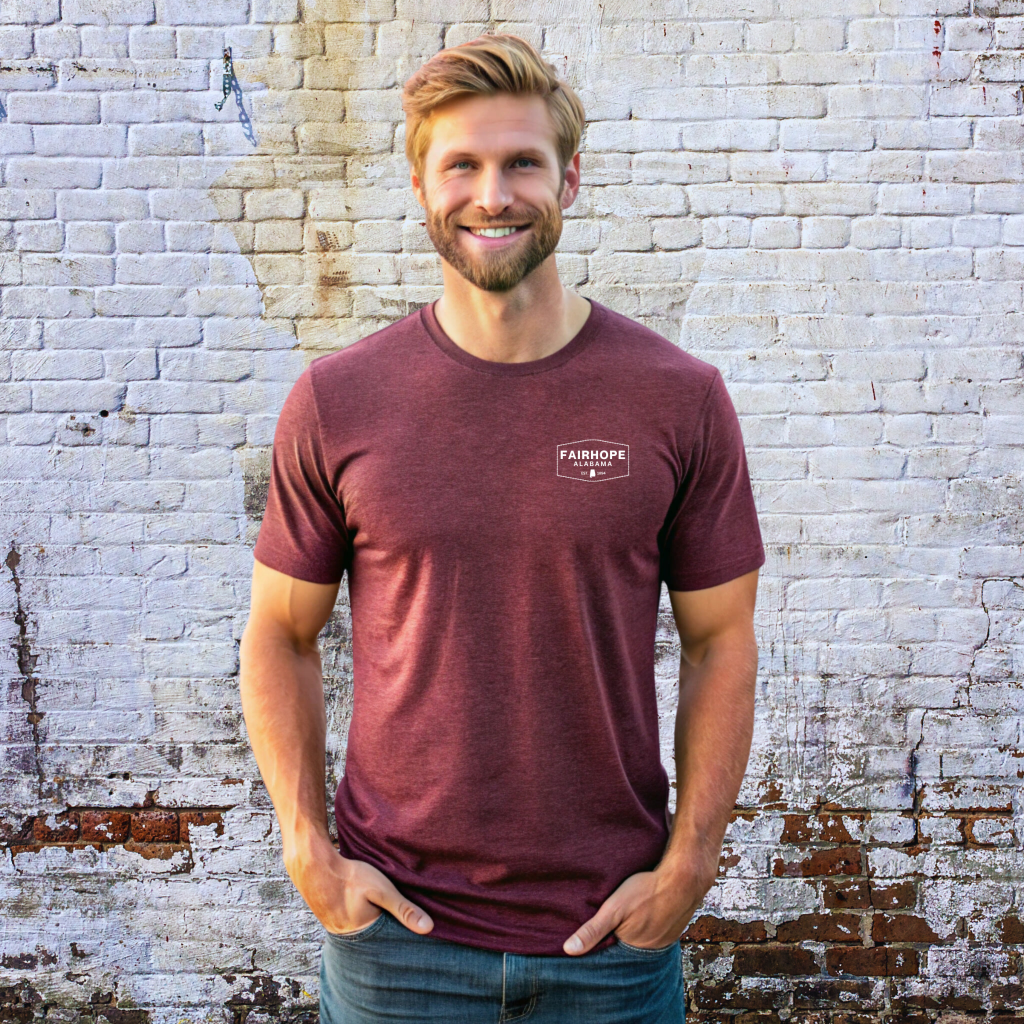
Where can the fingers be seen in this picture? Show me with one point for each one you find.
(414, 918)
(592, 932)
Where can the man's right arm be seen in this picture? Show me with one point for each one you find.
(282, 693)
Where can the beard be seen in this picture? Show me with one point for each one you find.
(499, 270)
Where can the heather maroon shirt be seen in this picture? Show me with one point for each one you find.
(505, 529)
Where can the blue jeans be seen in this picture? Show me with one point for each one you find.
(385, 972)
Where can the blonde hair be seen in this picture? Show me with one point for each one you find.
(490, 64)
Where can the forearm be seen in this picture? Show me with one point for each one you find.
(713, 730)
(283, 703)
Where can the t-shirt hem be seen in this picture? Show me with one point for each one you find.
(525, 947)
(721, 573)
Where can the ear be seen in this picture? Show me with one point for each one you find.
(571, 185)
(417, 186)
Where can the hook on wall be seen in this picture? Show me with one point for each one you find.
(229, 85)
(229, 75)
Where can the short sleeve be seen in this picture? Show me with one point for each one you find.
(303, 533)
(711, 534)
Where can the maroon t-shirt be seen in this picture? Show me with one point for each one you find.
(505, 529)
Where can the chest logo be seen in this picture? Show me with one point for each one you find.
(592, 459)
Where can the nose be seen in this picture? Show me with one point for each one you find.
(493, 193)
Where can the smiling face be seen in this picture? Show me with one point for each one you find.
(492, 166)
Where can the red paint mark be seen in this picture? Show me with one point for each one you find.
(936, 52)
(938, 26)
(984, 98)
(873, 396)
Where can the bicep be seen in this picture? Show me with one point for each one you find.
(294, 609)
(720, 614)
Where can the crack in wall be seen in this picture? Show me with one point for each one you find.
(26, 665)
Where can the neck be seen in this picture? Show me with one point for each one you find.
(536, 318)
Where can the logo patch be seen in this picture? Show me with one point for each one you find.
(592, 459)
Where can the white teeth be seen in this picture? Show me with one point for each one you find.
(492, 232)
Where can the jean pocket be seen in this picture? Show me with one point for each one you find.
(642, 951)
(360, 933)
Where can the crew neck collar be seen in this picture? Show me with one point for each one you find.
(573, 347)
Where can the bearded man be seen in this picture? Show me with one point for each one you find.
(506, 476)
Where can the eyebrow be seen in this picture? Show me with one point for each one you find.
(534, 154)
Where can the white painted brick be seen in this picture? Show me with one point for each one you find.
(61, 365)
(826, 136)
(727, 136)
(924, 198)
(778, 167)
(942, 134)
(978, 231)
(875, 232)
(870, 34)
(80, 140)
(968, 34)
(775, 233)
(877, 101)
(825, 232)
(165, 140)
(999, 199)
(84, 396)
(877, 166)
(100, 41)
(726, 232)
(679, 166)
(961, 100)
(39, 236)
(212, 12)
(151, 42)
(15, 42)
(676, 232)
(927, 232)
(56, 41)
(79, 270)
(275, 11)
(775, 101)
(32, 12)
(53, 108)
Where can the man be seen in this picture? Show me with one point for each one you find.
(507, 476)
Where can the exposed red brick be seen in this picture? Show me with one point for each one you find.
(713, 929)
(155, 827)
(901, 928)
(200, 818)
(820, 928)
(1007, 997)
(63, 830)
(852, 895)
(773, 960)
(1011, 929)
(818, 828)
(732, 996)
(104, 826)
(842, 860)
(827, 994)
(157, 851)
(893, 896)
(701, 956)
(876, 962)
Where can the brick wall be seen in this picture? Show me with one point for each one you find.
(825, 201)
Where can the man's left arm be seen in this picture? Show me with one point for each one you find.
(714, 727)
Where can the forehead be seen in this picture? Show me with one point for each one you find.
(490, 125)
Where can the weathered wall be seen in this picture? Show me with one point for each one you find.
(826, 201)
